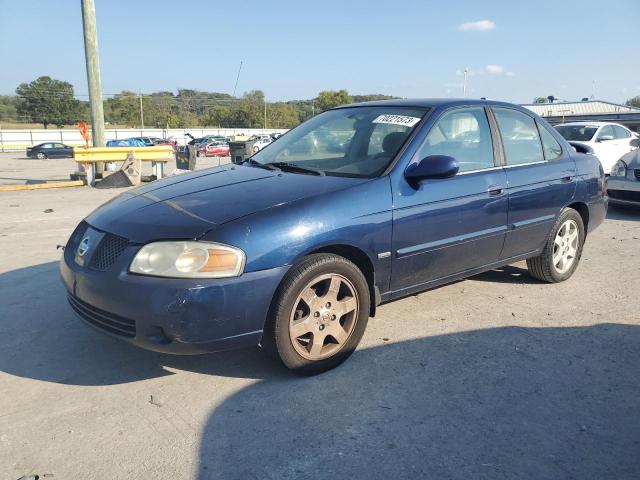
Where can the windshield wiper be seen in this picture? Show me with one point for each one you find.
(291, 167)
(266, 166)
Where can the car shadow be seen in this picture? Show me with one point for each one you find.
(41, 338)
(507, 274)
(503, 403)
(494, 403)
(631, 214)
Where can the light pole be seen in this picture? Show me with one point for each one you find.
(141, 114)
(93, 72)
(464, 83)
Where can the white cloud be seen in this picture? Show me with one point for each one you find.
(479, 26)
(510, 74)
(494, 69)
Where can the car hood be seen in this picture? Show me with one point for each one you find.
(632, 159)
(189, 205)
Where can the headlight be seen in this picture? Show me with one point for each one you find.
(619, 169)
(188, 259)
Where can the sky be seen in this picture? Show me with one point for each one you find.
(513, 50)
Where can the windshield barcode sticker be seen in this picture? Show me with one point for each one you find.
(397, 120)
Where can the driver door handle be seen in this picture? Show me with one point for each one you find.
(495, 190)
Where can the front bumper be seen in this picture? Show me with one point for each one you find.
(624, 190)
(180, 316)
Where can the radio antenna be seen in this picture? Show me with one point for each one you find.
(237, 78)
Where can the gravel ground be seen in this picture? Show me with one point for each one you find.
(497, 377)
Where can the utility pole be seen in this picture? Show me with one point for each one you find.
(93, 72)
(141, 113)
(265, 114)
(464, 84)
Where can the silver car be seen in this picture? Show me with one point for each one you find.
(623, 185)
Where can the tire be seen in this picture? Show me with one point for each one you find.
(317, 334)
(565, 242)
(41, 156)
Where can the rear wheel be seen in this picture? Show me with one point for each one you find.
(41, 156)
(319, 314)
(561, 254)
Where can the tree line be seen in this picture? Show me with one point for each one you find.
(52, 102)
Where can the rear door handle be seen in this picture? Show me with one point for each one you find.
(495, 190)
(568, 177)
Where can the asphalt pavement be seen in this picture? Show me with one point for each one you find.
(497, 377)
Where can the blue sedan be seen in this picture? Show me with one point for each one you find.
(363, 204)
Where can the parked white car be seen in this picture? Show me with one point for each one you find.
(609, 141)
(261, 141)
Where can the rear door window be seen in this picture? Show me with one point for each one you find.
(520, 137)
(550, 145)
(621, 132)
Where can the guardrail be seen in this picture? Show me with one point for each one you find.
(15, 140)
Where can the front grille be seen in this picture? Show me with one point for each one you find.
(624, 195)
(110, 248)
(636, 172)
(104, 320)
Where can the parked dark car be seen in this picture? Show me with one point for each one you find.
(296, 247)
(623, 185)
(50, 150)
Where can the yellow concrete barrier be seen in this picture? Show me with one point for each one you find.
(88, 157)
(159, 153)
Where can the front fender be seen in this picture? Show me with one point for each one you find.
(358, 216)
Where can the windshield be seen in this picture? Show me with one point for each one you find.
(578, 133)
(354, 141)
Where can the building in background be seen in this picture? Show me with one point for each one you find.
(588, 110)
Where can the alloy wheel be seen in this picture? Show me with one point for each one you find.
(323, 317)
(565, 246)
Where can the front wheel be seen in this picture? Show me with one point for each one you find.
(318, 315)
(562, 252)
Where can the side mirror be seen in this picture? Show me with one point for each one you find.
(604, 138)
(635, 143)
(432, 166)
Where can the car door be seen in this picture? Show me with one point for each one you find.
(623, 139)
(541, 179)
(443, 227)
(606, 148)
(47, 149)
(58, 150)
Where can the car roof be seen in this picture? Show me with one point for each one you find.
(430, 103)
